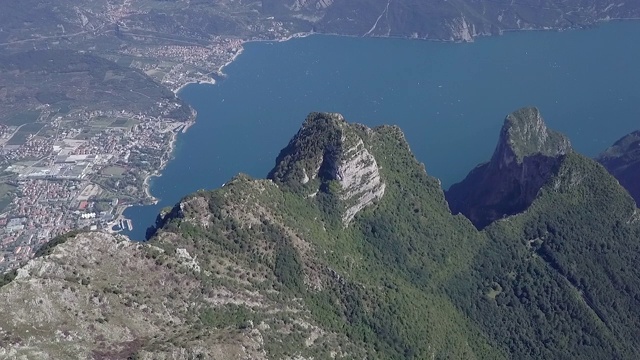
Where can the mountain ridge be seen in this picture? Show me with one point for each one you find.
(262, 266)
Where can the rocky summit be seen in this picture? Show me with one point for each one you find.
(622, 160)
(327, 153)
(349, 250)
(528, 154)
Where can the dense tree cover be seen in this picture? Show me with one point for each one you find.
(47, 248)
(287, 266)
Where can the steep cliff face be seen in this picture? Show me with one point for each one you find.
(461, 30)
(526, 157)
(622, 160)
(331, 156)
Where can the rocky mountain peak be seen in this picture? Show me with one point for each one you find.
(327, 151)
(525, 133)
(626, 147)
(313, 151)
(622, 160)
(528, 154)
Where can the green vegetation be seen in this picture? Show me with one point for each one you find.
(22, 118)
(62, 78)
(7, 193)
(527, 156)
(287, 268)
(47, 248)
(8, 277)
(230, 315)
(318, 143)
(24, 132)
(256, 267)
(386, 292)
(566, 281)
(116, 171)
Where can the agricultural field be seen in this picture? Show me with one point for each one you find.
(7, 193)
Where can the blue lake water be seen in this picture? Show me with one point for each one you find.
(450, 99)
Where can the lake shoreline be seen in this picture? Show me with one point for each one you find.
(266, 65)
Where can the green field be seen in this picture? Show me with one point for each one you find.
(119, 123)
(20, 137)
(87, 134)
(7, 193)
(25, 117)
(114, 170)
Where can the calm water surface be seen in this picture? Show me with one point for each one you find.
(450, 99)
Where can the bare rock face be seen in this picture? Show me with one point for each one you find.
(527, 156)
(622, 160)
(359, 178)
(310, 4)
(461, 30)
(525, 134)
(100, 296)
(330, 155)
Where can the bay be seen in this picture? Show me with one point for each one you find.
(450, 100)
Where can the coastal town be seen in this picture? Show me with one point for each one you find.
(82, 169)
(178, 65)
(74, 182)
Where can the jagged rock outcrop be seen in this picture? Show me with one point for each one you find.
(327, 151)
(526, 157)
(622, 160)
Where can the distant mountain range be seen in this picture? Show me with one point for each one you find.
(349, 250)
(446, 20)
(39, 22)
